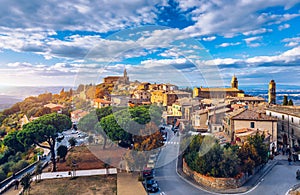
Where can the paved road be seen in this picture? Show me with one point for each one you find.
(277, 182)
(166, 175)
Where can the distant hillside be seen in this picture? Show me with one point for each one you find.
(10, 95)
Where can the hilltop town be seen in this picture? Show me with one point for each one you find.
(154, 114)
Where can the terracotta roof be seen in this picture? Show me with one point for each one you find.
(291, 110)
(113, 77)
(235, 112)
(247, 98)
(102, 101)
(221, 89)
(252, 115)
(51, 105)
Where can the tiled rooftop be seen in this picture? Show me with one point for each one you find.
(252, 115)
(291, 110)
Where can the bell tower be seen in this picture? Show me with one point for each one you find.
(234, 82)
(125, 77)
(272, 92)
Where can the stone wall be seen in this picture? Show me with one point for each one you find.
(213, 182)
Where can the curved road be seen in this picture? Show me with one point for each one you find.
(165, 173)
(277, 182)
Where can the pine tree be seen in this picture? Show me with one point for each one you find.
(290, 103)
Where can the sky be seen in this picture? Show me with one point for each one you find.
(188, 43)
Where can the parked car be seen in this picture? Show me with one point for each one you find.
(151, 185)
(151, 164)
(148, 172)
(152, 157)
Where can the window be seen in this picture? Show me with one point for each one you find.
(282, 117)
(252, 125)
(293, 132)
(292, 120)
(270, 114)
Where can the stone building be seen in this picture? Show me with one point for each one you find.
(218, 93)
(117, 79)
(288, 123)
(167, 98)
(250, 119)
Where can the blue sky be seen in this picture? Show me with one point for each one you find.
(189, 43)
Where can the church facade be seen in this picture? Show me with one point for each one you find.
(117, 79)
(219, 93)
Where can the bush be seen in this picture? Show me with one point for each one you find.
(19, 165)
(2, 175)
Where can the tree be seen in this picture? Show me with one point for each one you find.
(38, 171)
(11, 141)
(112, 129)
(45, 129)
(103, 112)
(290, 103)
(149, 139)
(42, 111)
(285, 100)
(25, 182)
(72, 141)
(247, 154)
(62, 151)
(261, 148)
(88, 122)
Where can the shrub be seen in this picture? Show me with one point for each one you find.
(19, 165)
(2, 175)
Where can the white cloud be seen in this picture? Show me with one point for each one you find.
(249, 41)
(230, 19)
(99, 16)
(286, 57)
(228, 44)
(291, 44)
(284, 26)
(209, 38)
(256, 32)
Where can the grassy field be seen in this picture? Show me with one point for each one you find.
(106, 185)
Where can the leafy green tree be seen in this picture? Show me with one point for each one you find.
(26, 183)
(88, 122)
(290, 103)
(11, 141)
(113, 130)
(72, 141)
(45, 129)
(285, 100)
(2, 175)
(229, 166)
(62, 151)
(103, 112)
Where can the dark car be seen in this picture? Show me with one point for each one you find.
(148, 172)
(151, 185)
